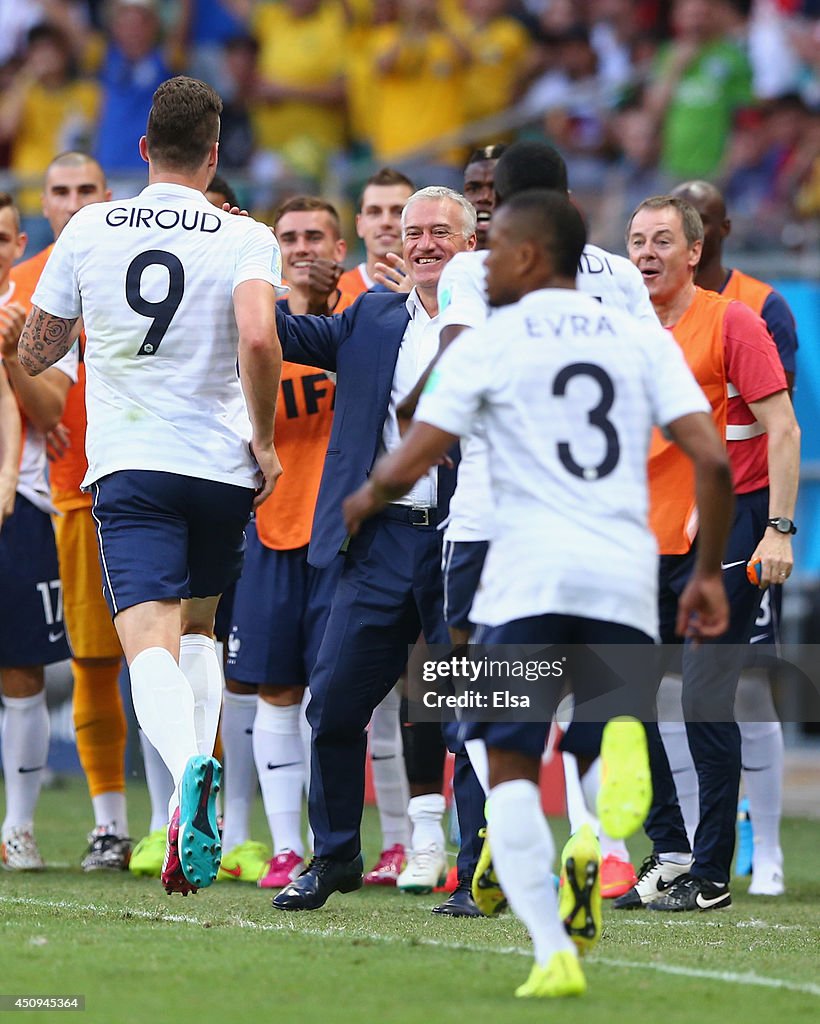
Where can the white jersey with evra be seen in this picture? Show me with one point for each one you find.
(567, 392)
(609, 278)
(153, 279)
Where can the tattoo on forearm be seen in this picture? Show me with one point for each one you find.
(44, 340)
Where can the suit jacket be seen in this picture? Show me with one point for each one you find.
(361, 347)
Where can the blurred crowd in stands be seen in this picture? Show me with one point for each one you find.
(637, 94)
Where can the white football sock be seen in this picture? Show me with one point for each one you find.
(590, 784)
(110, 812)
(426, 812)
(25, 736)
(683, 771)
(675, 858)
(389, 773)
(202, 668)
(278, 752)
(307, 746)
(164, 706)
(523, 853)
(612, 847)
(477, 753)
(577, 810)
(762, 759)
(753, 700)
(238, 713)
(159, 782)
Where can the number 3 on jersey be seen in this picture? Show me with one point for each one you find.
(161, 312)
(596, 417)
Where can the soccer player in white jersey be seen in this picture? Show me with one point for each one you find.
(567, 393)
(612, 280)
(172, 291)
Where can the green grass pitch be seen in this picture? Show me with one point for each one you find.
(224, 955)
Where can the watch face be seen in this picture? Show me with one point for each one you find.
(782, 525)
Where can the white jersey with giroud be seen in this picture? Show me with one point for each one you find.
(32, 477)
(462, 296)
(153, 279)
(566, 391)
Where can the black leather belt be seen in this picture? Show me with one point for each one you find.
(424, 518)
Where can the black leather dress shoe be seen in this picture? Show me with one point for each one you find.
(460, 903)
(320, 878)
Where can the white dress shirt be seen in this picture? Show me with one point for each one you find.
(418, 349)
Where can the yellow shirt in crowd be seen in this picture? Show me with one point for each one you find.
(421, 99)
(53, 121)
(300, 52)
(498, 49)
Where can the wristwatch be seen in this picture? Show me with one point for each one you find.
(782, 524)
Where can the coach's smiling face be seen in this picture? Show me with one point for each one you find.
(433, 234)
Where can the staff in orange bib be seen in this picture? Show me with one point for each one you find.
(761, 733)
(736, 364)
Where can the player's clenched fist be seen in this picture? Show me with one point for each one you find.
(269, 466)
(12, 322)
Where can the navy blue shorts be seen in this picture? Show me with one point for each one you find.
(163, 536)
(588, 673)
(280, 612)
(583, 739)
(462, 562)
(32, 631)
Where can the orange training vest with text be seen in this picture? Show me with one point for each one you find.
(304, 418)
(672, 509)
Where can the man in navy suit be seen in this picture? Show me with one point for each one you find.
(391, 585)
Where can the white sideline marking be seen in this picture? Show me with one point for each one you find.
(332, 931)
(732, 977)
(753, 922)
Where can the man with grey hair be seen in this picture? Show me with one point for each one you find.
(390, 588)
(736, 364)
(762, 734)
